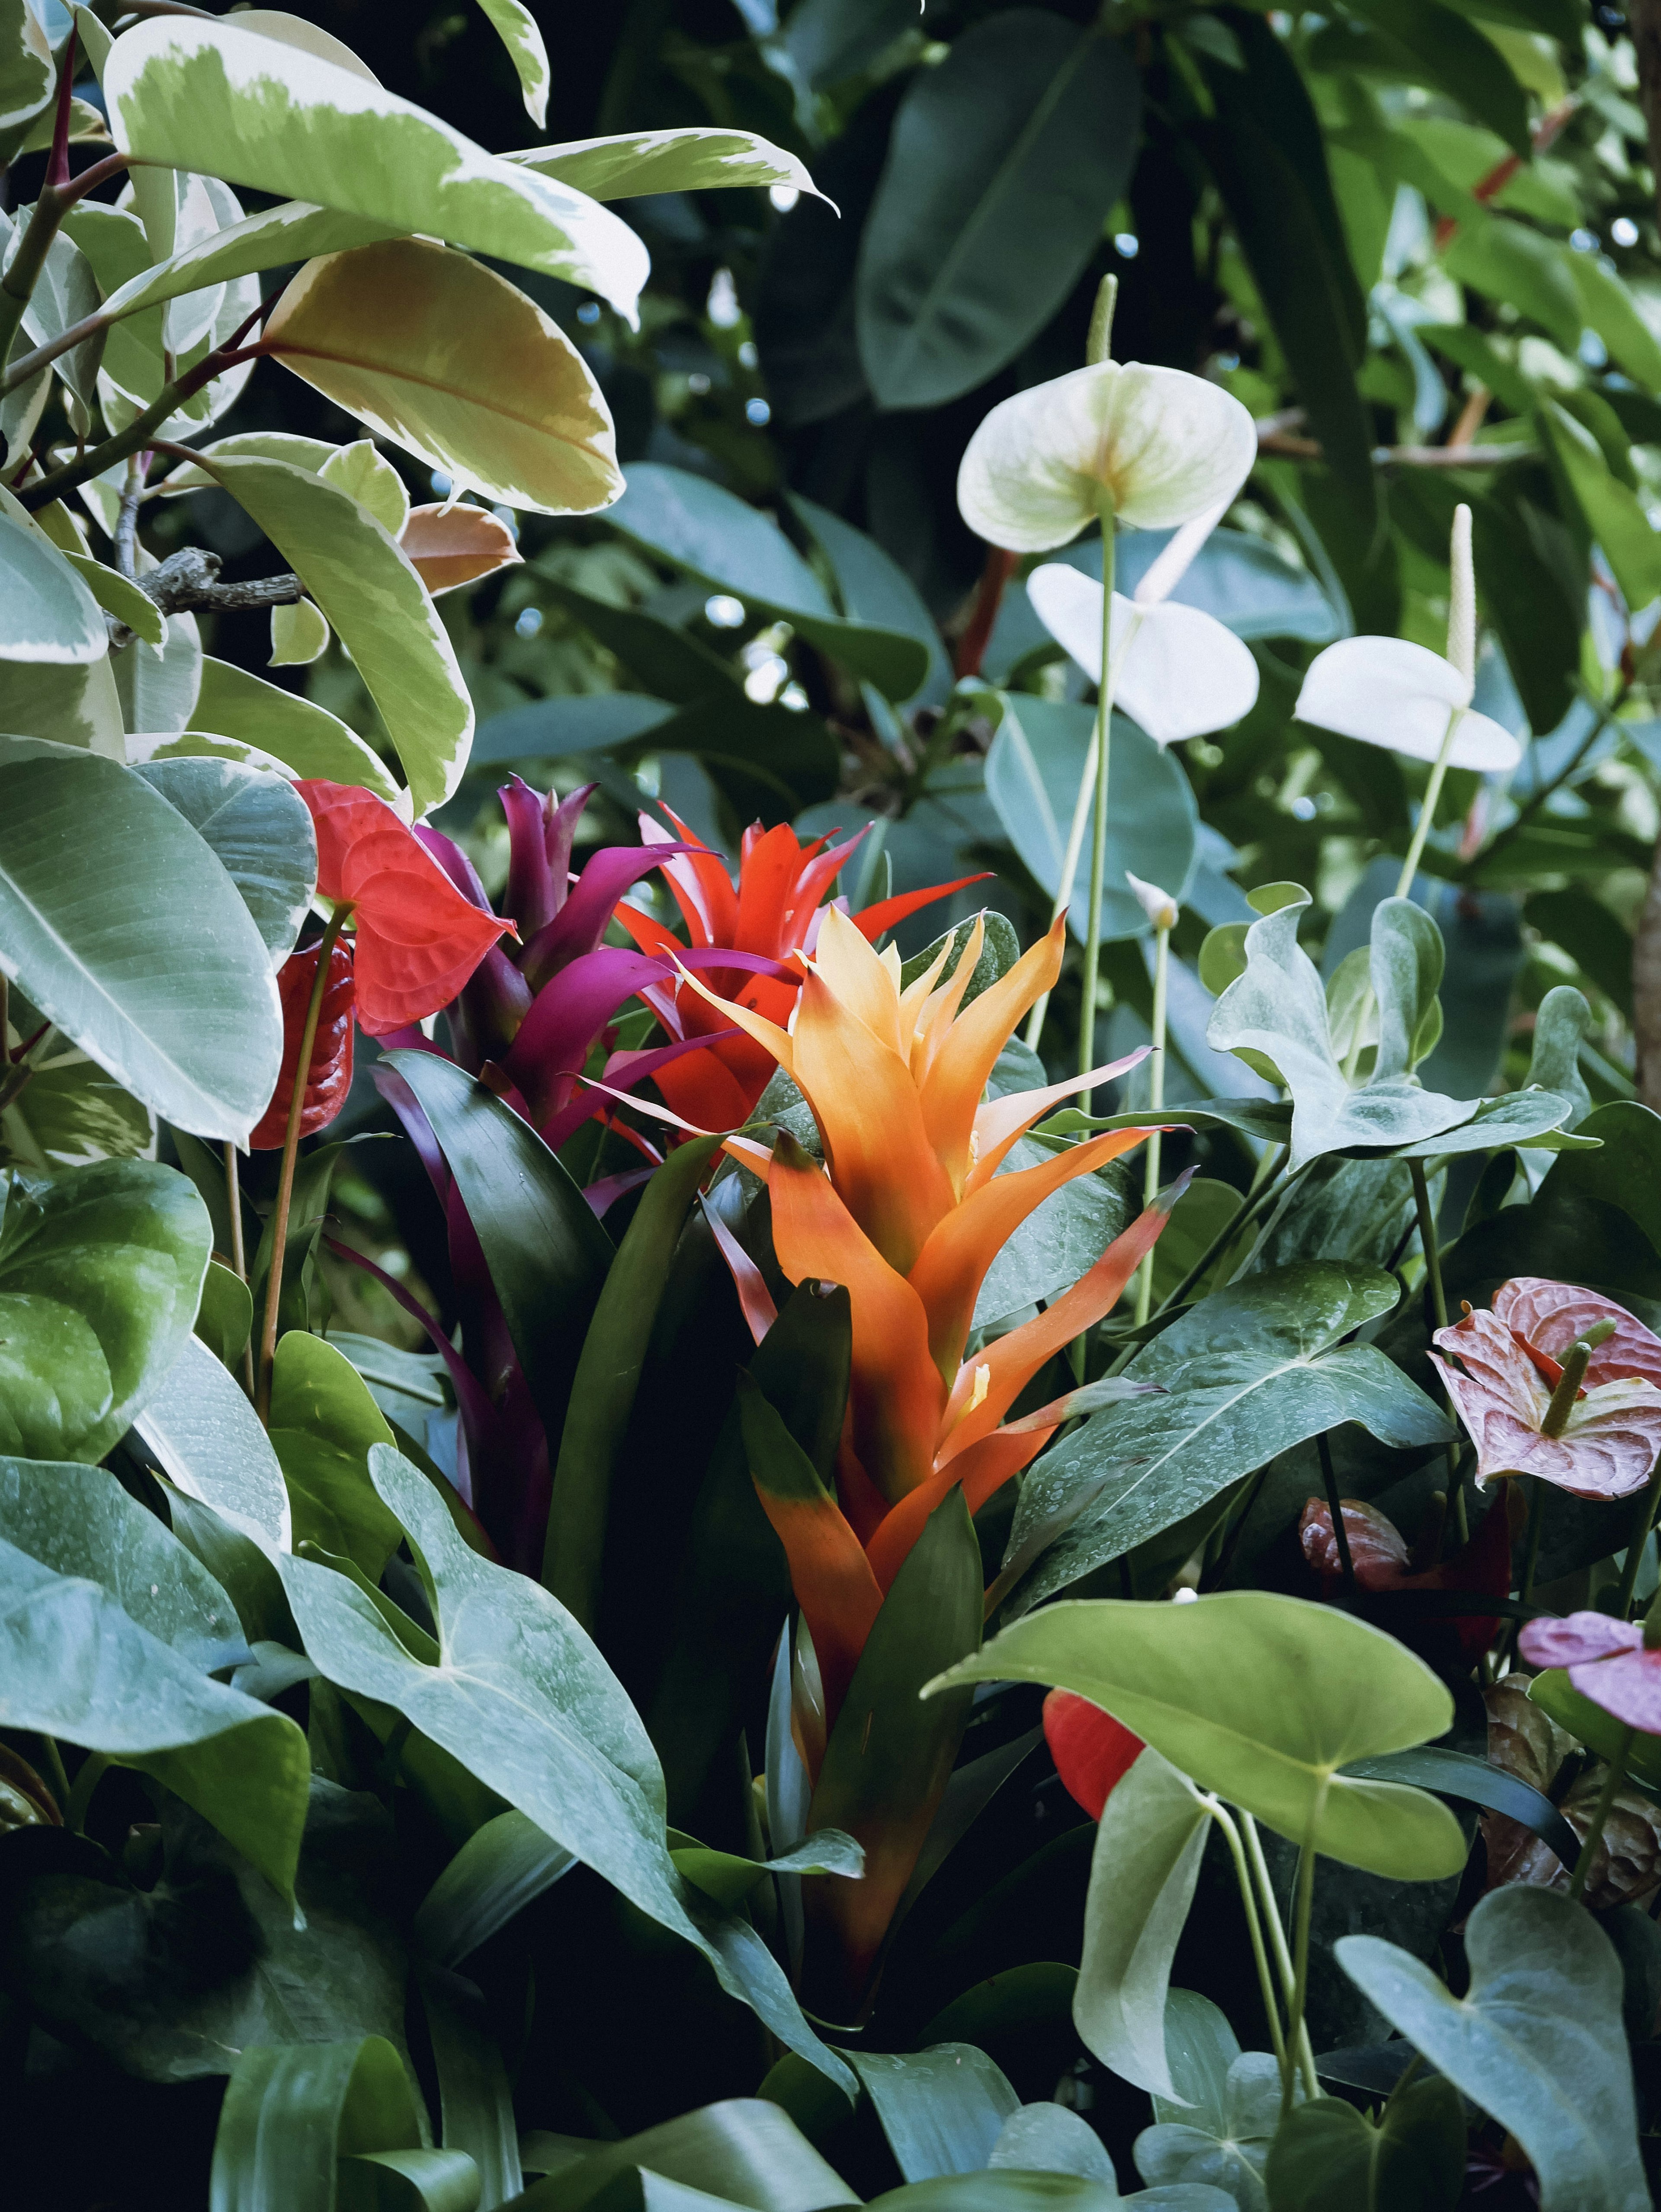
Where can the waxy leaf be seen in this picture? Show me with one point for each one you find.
(378, 606)
(371, 479)
(119, 596)
(1261, 1698)
(689, 159)
(158, 686)
(1050, 2139)
(742, 2150)
(323, 1423)
(295, 230)
(1246, 1374)
(248, 108)
(209, 1444)
(500, 1868)
(1214, 2135)
(942, 2110)
(451, 546)
(27, 75)
(434, 351)
(302, 736)
(46, 612)
(260, 832)
(1413, 2156)
(123, 927)
(1537, 2041)
(522, 1698)
(312, 2126)
(100, 1271)
(518, 32)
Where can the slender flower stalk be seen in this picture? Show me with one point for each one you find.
(1161, 910)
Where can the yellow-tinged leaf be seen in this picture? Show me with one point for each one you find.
(119, 596)
(433, 350)
(299, 634)
(372, 481)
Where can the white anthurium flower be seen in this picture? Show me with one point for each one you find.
(1177, 671)
(1155, 446)
(1386, 691)
(1160, 907)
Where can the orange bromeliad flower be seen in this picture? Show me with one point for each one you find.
(910, 1216)
(772, 912)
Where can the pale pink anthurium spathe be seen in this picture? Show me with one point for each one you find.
(1177, 671)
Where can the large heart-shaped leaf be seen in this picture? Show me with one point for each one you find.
(519, 1696)
(713, 535)
(1032, 777)
(1536, 2041)
(1000, 163)
(100, 1271)
(216, 98)
(1246, 1374)
(121, 925)
(378, 605)
(1413, 2155)
(433, 350)
(1263, 1698)
(261, 833)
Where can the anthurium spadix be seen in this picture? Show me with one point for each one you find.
(1176, 670)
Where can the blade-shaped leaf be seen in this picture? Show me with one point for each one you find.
(742, 2151)
(323, 1423)
(291, 2109)
(500, 1868)
(693, 159)
(518, 32)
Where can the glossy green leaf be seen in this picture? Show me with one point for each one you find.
(100, 1271)
(1612, 512)
(1248, 1372)
(1479, 1782)
(372, 481)
(124, 928)
(408, 2181)
(1536, 2042)
(475, 2099)
(730, 1879)
(78, 1667)
(1412, 2158)
(1454, 57)
(1032, 776)
(209, 1444)
(224, 1319)
(118, 596)
(69, 1112)
(742, 2151)
(500, 1868)
(1149, 1843)
(872, 587)
(434, 351)
(942, 2109)
(291, 2109)
(47, 612)
(159, 687)
(547, 1255)
(714, 536)
(323, 1423)
(1506, 261)
(299, 634)
(608, 1376)
(1001, 161)
(261, 113)
(378, 607)
(303, 736)
(260, 832)
(694, 159)
(523, 1700)
(1261, 1698)
(65, 294)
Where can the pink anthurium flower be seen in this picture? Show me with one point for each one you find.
(1608, 1660)
(1505, 1372)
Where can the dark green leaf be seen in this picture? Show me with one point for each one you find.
(942, 2110)
(500, 1868)
(1412, 2160)
(1454, 57)
(1456, 1774)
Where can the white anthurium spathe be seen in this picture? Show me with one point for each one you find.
(1177, 671)
(1387, 691)
(1155, 446)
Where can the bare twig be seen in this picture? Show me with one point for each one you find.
(187, 582)
(126, 526)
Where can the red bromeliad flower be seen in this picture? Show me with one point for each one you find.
(1611, 1661)
(1383, 1567)
(1503, 1368)
(416, 940)
(1092, 1752)
(330, 1076)
(771, 912)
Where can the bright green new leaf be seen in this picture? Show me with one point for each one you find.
(1612, 510)
(712, 534)
(305, 738)
(1536, 2042)
(369, 476)
(522, 1698)
(299, 634)
(1455, 58)
(47, 612)
(1248, 1372)
(436, 351)
(119, 596)
(100, 1271)
(520, 33)
(942, 2109)
(693, 159)
(1412, 2158)
(122, 926)
(1509, 263)
(1261, 1698)
(261, 832)
(78, 1667)
(208, 1442)
(378, 607)
(1149, 1843)
(1609, 310)
(245, 107)
(323, 1424)
(1032, 780)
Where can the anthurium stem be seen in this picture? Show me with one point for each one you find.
(1302, 1905)
(1642, 1521)
(1092, 944)
(1606, 1796)
(291, 1153)
(1341, 1534)
(1254, 1922)
(1428, 811)
(239, 1254)
(1155, 1103)
(1438, 1306)
(1298, 2039)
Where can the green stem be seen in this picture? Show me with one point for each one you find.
(1302, 1910)
(1612, 1781)
(1155, 1103)
(57, 1778)
(89, 1774)
(1428, 811)
(290, 1152)
(1607, 719)
(1299, 2034)
(1092, 947)
(1253, 1926)
(239, 1253)
(1438, 1306)
(1642, 1521)
(1340, 1532)
(1254, 1203)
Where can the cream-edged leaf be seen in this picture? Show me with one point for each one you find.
(372, 481)
(299, 634)
(46, 612)
(518, 29)
(689, 159)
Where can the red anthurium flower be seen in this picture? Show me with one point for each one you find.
(1502, 1369)
(771, 912)
(1608, 1661)
(1378, 1554)
(417, 938)
(330, 1074)
(1092, 1752)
